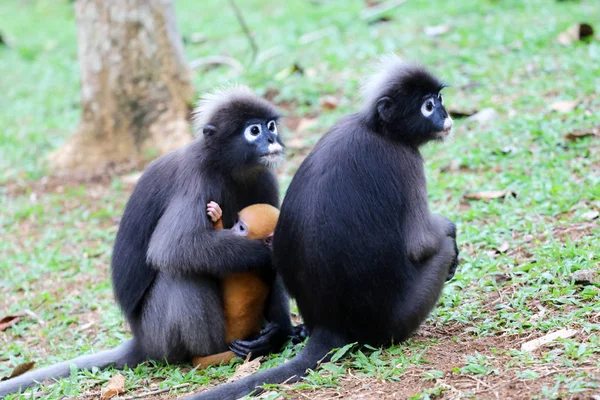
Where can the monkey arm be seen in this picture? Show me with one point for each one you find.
(185, 242)
(425, 241)
(277, 309)
(447, 227)
(449, 230)
(425, 290)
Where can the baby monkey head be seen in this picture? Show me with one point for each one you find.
(240, 128)
(257, 221)
(405, 103)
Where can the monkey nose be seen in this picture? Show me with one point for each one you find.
(271, 140)
(447, 123)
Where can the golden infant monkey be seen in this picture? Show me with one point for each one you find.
(244, 293)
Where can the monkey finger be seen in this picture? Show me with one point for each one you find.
(299, 333)
(215, 210)
(242, 349)
(269, 328)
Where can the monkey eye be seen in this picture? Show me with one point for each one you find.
(252, 132)
(440, 98)
(427, 107)
(272, 126)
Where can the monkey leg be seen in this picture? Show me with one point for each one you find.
(424, 291)
(182, 318)
(215, 359)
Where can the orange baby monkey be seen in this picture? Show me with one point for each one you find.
(244, 293)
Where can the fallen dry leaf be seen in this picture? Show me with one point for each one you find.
(500, 278)
(131, 179)
(576, 135)
(329, 102)
(585, 277)
(20, 370)
(437, 30)
(295, 143)
(458, 113)
(484, 116)
(574, 33)
(502, 248)
(452, 167)
(9, 321)
(305, 124)
(564, 106)
(489, 195)
(535, 344)
(590, 215)
(116, 386)
(247, 368)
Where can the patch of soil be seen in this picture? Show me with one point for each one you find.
(57, 183)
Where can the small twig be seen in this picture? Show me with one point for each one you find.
(142, 395)
(242, 22)
(317, 35)
(217, 60)
(34, 316)
(371, 12)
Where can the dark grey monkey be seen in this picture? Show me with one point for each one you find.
(168, 260)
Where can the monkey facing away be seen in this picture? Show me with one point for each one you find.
(356, 244)
(244, 293)
(168, 261)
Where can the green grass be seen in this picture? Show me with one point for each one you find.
(56, 243)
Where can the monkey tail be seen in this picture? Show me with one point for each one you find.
(125, 354)
(320, 343)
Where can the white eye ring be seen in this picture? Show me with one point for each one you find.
(441, 99)
(427, 107)
(252, 132)
(272, 126)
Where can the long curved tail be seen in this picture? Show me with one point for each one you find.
(125, 354)
(320, 343)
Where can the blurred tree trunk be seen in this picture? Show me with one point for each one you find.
(135, 85)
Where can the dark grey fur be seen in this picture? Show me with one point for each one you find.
(356, 244)
(168, 260)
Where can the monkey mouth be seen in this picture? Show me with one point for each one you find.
(443, 134)
(272, 155)
(272, 159)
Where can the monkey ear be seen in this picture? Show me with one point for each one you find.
(384, 108)
(209, 130)
(268, 240)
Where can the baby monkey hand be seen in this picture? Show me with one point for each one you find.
(214, 211)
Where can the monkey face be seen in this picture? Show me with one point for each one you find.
(408, 105)
(263, 140)
(240, 228)
(437, 117)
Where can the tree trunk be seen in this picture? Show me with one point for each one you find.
(135, 85)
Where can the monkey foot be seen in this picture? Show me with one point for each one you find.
(299, 333)
(270, 339)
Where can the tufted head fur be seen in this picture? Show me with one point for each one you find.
(238, 130)
(230, 104)
(403, 102)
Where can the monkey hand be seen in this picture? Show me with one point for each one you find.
(214, 211)
(270, 339)
(454, 264)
